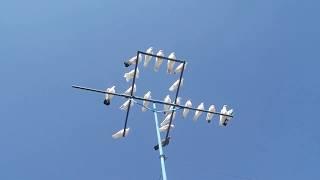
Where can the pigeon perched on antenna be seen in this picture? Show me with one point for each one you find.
(175, 85)
(130, 75)
(132, 60)
(170, 64)
(119, 134)
(198, 113)
(146, 103)
(108, 97)
(148, 58)
(128, 91)
(158, 60)
(224, 119)
(212, 108)
(230, 113)
(125, 105)
(185, 110)
(179, 68)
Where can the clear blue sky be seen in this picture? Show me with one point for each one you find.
(259, 57)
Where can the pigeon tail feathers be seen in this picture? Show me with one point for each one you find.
(126, 64)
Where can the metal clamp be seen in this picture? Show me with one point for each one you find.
(163, 156)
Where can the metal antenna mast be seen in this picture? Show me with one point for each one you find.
(174, 106)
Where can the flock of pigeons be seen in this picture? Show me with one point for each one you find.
(158, 63)
(167, 109)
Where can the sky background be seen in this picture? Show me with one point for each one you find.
(259, 57)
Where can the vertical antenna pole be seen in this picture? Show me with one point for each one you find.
(163, 167)
(131, 94)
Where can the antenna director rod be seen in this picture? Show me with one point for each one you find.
(150, 100)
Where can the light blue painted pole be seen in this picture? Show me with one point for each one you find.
(163, 167)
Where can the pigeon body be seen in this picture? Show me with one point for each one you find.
(223, 119)
(125, 105)
(166, 127)
(148, 58)
(186, 111)
(175, 85)
(108, 97)
(179, 68)
(167, 100)
(146, 103)
(130, 75)
(198, 113)
(170, 64)
(132, 60)
(230, 112)
(119, 134)
(212, 108)
(128, 91)
(167, 119)
(158, 61)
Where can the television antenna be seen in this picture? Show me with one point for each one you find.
(166, 125)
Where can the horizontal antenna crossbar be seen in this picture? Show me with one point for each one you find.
(150, 100)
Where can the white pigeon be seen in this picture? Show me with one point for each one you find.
(158, 61)
(130, 75)
(167, 100)
(212, 108)
(128, 91)
(167, 119)
(179, 68)
(230, 112)
(198, 113)
(175, 85)
(147, 58)
(178, 102)
(132, 60)
(223, 119)
(146, 103)
(119, 134)
(108, 97)
(125, 105)
(170, 64)
(227, 118)
(185, 110)
(166, 127)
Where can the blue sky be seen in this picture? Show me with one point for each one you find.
(259, 57)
